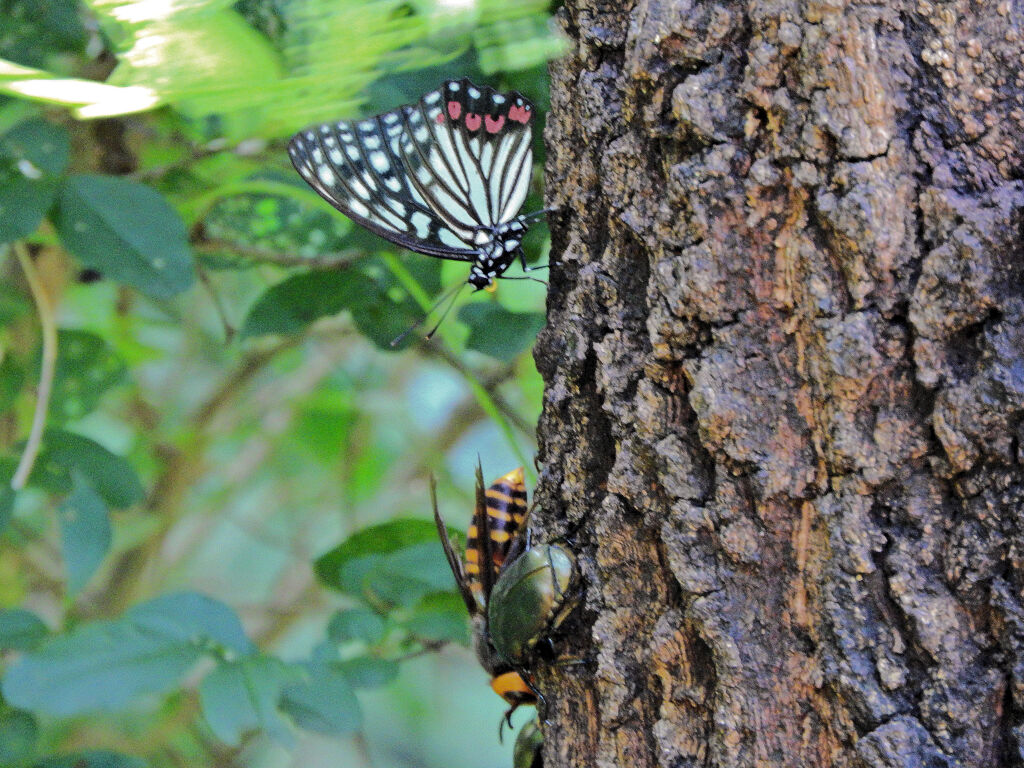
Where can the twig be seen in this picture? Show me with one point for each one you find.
(48, 322)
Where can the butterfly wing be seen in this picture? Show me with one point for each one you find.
(427, 176)
(471, 151)
(354, 167)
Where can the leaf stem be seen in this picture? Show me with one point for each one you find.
(483, 397)
(48, 322)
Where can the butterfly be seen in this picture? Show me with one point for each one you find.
(444, 177)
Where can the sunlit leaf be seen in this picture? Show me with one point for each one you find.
(242, 697)
(84, 532)
(127, 232)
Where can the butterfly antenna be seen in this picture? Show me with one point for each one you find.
(401, 337)
(444, 314)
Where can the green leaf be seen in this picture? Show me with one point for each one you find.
(188, 616)
(86, 368)
(243, 696)
(439, 617)
(21, 630)
(12, 376)
(19, 733)
(367, 671)
(13, 304)
(93, 758)
(112, 477)
(107, 665)
(499, 333)
(126, 231)
(323, 702)
(291, 306)
(24, 201)
(8, 466)
(45, 145)
(100, 666)
(84, 532)
(356, 624)
(395, 562)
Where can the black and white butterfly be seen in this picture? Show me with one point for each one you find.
(445, 177)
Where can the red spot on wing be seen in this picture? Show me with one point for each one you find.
(454, 110)
(493, 124)
(519, 114)
(473, 121)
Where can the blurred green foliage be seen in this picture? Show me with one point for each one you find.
(223, 553)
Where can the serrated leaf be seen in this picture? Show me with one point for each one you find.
(19, 733)
(84, 532)
(62, 452)
(86, 368)
(396, 562)
(107, 665)
(367, 671)
(241, 697)
(323, 702)
(21, 630)
(356, 624)
(92, 758)
(439, 617)
(499, 333)
(126, 231)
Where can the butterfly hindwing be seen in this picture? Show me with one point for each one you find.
(431, 176)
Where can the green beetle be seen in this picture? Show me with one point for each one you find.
(529, 601)
(529, 749)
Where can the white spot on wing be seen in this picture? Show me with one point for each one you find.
(326, 175)
(421, 221)
(379, 161)
(432, 98)
(372, 142)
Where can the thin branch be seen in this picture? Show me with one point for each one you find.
(48, 322)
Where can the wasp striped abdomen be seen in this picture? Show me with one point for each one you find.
(505, 507)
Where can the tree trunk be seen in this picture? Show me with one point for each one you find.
(785, 382)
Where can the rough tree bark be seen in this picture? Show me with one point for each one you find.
(785, 382)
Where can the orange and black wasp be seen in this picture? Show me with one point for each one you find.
(499, 514)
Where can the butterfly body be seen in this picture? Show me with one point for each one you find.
(444, 177)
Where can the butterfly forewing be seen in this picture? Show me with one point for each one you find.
(429, 176)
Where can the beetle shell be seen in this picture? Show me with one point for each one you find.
(528, 751)
(528, 599)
